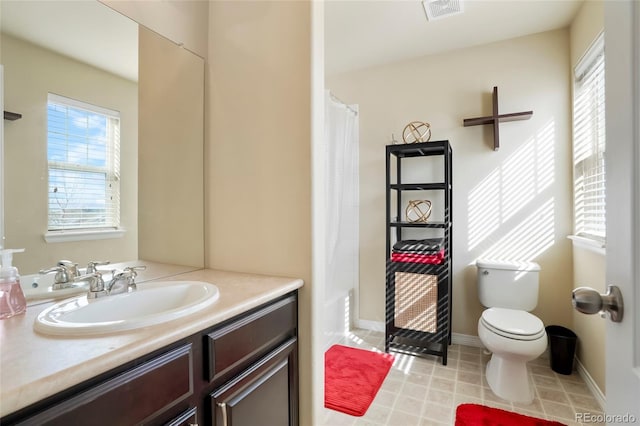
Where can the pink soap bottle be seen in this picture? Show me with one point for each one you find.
(12, 301)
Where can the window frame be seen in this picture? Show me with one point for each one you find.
(588, 228)
(111, 213)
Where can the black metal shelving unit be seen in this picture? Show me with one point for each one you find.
(418, 295)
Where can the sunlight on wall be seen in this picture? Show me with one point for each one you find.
(512, 189)
(532, 236)
(484, 209)
(347, 315)
(338, 319)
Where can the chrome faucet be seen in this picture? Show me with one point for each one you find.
(125, 281)
(66, 274)
(96, 284)
(122, 282)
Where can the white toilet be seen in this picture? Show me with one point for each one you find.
(507, 329)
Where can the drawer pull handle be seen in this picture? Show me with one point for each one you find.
(223, 408)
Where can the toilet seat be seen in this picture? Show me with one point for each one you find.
(513, 324)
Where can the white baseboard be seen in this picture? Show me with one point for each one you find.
(370, 325)
(466, 340)
(591, 384)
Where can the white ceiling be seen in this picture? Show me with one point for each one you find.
(364, 33)
(358, 33)
(87, 31)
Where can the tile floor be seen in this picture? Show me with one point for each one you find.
(421, 391)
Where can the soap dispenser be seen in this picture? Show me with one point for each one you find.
(12, 301)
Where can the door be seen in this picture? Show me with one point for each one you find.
(622, 54)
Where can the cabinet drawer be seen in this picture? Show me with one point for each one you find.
(136, 396)
(234, 346)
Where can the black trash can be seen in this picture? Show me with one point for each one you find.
(562, 346)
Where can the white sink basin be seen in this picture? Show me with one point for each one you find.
(151, 304)
(38, 287)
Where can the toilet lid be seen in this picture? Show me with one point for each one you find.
(513, 323)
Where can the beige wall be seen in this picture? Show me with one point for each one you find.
(30, 73)
(183, 22)
(258, 160)
(588, 23)
(589, 267)
(257, 138)
(171, 150)
(514, 203)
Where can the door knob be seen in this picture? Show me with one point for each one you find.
(589, 301)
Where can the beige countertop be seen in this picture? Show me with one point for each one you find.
(34, 366)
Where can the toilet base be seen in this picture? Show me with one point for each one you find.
(509, 379)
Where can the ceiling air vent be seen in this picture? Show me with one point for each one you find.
(437, 9)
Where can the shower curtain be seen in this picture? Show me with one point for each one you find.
(342, 215)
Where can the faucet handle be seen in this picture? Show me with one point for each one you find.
(132, 270)
(68, 264)
(96, 284)
(66, 271)
(61, 280)
(50, 270)
(69, 270)
(91, 266)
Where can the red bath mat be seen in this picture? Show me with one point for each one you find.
(352, 378)
(479, 415)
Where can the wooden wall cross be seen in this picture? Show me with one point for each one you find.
(496, 119)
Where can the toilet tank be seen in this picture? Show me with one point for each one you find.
(512, 285)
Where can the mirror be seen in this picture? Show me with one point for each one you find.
(88, 52)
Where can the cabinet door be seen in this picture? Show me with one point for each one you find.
(142, 395)
(266, 393)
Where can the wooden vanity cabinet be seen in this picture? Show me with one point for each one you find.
(243, 371)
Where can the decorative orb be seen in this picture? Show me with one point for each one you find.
(418, 211)
(416, 131)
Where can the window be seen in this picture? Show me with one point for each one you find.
(589, 144)
(83, 152)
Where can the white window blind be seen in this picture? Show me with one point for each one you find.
(83, 152)
(589, 144)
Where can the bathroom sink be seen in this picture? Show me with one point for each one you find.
(39, 287)
(151, 304)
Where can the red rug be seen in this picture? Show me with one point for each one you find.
(479, 415)
(352, 378)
